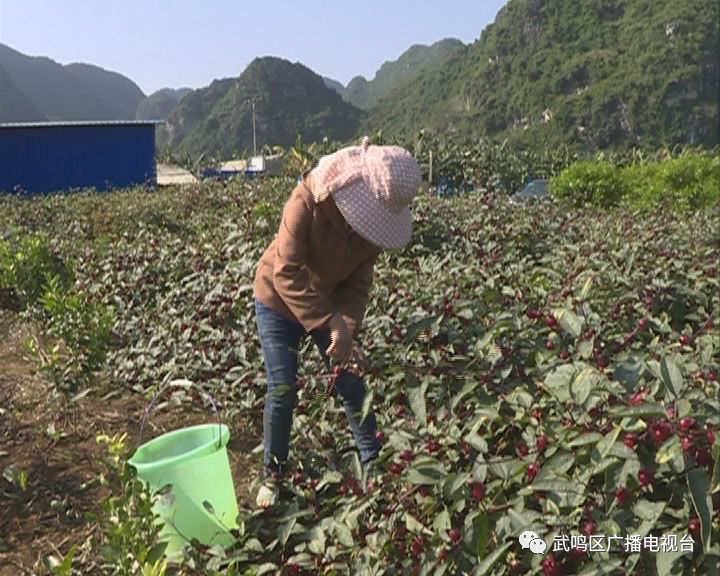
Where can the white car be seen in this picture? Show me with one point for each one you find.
(535, 191)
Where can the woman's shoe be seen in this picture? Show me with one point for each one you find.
(268, 494)
(374, 470)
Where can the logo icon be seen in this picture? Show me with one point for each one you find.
(530, 539)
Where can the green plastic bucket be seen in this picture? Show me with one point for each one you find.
(190, 469)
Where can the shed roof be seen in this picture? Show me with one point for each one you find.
(64, 123)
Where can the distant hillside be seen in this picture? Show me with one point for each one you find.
(14, 105)
(394, 74)
(159, 105)
(290, 100)
(335, 85)
(598, 73)
(120, 95)
(46, 90)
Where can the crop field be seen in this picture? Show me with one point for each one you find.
(551, 368)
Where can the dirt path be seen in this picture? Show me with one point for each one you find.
(46, 513)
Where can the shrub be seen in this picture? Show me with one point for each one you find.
(26, 266)
(689, 182)
(84, 328)
(130, 531)
(595, 183)
(82, 325)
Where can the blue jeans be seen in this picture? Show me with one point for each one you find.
(280, 339)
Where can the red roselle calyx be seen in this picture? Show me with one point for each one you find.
(623, 496)
(637, 398)
(630, 440)
(542, 443)
(646, 477)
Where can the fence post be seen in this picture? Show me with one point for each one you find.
(430, 174)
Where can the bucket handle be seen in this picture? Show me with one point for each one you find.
(180, 384)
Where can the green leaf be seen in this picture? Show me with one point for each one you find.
(585, 291)
(630, 469)
(65, 567)
(416, 397)
(520, 398)
(427, 471)
(665, 562)
(480, 529)
(569, 321)
(711, 563)
(525, 520)
(502, 470)
(600, 466)
(607, 568)
(650, 511)
(350, 517)
(582, 385)
(633, 424)
(467, 388)
(715, 482)
(566, 493)
(465, 313)
(343, 535)
(557, 465)
(649, 409)
(699, 485)
(477, 442)
(631, 562)
(603, 448)
(559, 486)
(317, 540)
(654, 367)
(442, 521)
(669, 450)
(684, 408)
(488, 562)
(254, 545)
(585, 439)
(585, 349)
(454, 483)
(494, 354)
(419, 327)
(267, 568)
(366, 405)
(628, 371)
(285, 530)
(156, 552)
(672, 377)
(558, 382)
(414, 526)
(330, 477)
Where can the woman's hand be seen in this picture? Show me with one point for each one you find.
(359, 361)
(340, 340)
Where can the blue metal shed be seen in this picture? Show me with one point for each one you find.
(48, 157)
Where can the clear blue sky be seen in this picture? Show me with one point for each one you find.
(174, 43)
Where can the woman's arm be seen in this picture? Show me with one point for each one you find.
(352, 294)
(290, 276)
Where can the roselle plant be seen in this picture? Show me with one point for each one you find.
(553, 371)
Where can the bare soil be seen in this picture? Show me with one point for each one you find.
(48, 516)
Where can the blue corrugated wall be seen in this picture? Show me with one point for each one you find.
(51, 158)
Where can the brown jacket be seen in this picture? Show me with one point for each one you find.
(315, 266)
